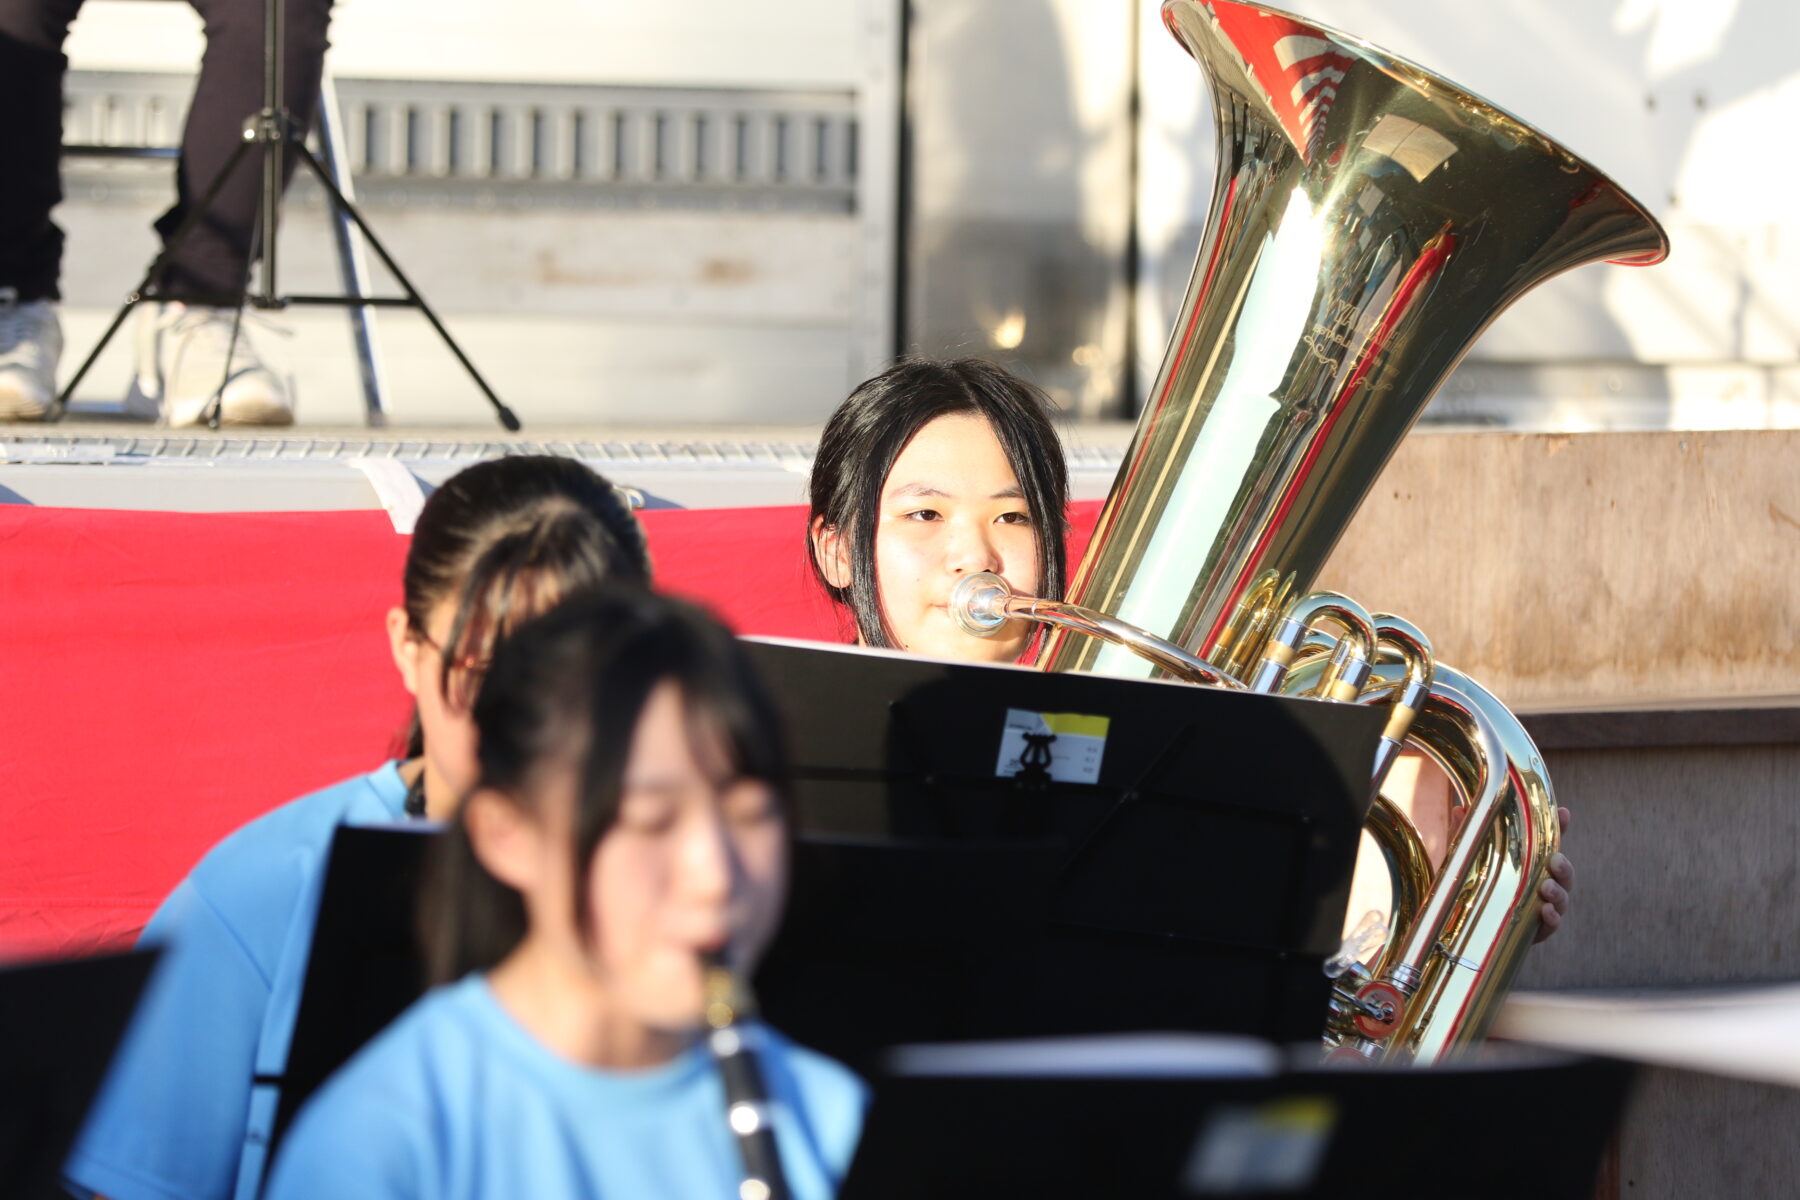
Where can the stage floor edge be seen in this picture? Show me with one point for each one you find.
(116, 466)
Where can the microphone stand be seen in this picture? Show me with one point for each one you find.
(272, 131)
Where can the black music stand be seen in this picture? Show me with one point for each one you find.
(62, 1021)
(1475, 1133)
(365, 966)
(1189, 887)
(1195, 879)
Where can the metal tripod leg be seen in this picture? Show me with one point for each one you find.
(353, 264)
(139, 294)
(413, 298)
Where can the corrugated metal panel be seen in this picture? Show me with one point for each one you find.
(585, 144)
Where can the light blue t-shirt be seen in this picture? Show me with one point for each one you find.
(178, 1117)
(457, 1101)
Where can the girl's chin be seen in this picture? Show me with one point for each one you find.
(961, 647)
(675, 1015)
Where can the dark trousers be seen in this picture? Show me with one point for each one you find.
(213, 255)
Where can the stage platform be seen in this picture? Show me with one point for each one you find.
(124, 465)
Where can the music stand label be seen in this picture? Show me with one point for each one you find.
(1066, 747)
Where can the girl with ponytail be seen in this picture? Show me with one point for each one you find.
(190, 1100)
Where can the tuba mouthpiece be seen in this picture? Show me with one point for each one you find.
(978, 603)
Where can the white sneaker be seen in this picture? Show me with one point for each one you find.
(30, 344)
(181, 358)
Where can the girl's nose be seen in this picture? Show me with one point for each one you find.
(971, 550)
(707, 861)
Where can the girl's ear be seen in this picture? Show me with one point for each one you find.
(504, 839)
(831, 550)
(404, 647)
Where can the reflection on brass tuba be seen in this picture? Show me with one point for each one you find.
(1368, 221)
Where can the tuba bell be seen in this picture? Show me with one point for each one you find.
(1368, 220)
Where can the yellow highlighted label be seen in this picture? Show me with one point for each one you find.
(1078, 724)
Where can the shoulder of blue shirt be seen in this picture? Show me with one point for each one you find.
(252, 879)
(370, 1104)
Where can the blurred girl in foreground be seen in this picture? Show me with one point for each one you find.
(628, 828)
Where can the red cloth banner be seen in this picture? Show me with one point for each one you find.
(165, 677)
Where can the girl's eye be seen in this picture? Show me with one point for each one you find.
(924, 514)
(749, 804)
(648, 816)
(1015, 518)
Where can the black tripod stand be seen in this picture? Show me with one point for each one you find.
(272, 130)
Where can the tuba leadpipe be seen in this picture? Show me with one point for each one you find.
(982, 603)
(1368, 221)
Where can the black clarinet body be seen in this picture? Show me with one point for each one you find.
(729, 1006)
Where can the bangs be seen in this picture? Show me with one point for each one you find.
(526, 573)
(724, 709)
(719, 722)
(491, 607)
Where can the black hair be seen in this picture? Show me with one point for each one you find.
(565, 691)
(506, 538)
(873, 425)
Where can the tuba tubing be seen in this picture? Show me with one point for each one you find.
(1458, 933)
(1368, 221)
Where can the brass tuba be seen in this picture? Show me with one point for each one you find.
(1368, 221)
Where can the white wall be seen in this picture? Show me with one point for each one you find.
(1020, 202)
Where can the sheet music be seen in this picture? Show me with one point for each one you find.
(1746, 1033)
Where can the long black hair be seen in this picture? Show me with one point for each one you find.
(506, 538)
(565, 691)
(873, 425)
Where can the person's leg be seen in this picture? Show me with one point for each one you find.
(212, 257)
(32, 33)
(31, 72)
(186, 354)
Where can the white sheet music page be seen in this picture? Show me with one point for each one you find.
(1746, 1033)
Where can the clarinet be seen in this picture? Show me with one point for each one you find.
(747, 1109)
